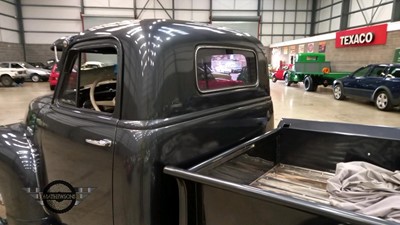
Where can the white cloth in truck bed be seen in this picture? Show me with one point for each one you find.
(365, 188)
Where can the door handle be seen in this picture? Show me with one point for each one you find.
(101, 143)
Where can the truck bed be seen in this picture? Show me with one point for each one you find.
(295, 181)
(280, 178)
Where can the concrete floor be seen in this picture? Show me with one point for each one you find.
(294, 102)
(289, 102)
(14, 101)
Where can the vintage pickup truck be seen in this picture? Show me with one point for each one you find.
(154, 138)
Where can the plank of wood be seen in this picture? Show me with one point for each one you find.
(243, 169)
(295, 181)
(292, 189)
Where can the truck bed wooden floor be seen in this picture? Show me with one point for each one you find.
(285, 179)
(295, 181)
(242, 170)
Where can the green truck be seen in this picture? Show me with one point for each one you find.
(312, 70)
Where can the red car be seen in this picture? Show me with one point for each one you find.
(281, 72)
(218, 83)
(215, 80)
(53, 79)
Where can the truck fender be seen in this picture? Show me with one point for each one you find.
(18, 161)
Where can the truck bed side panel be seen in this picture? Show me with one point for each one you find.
(224, 207)
(215, 192)
(322, 151)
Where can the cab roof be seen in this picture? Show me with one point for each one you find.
(159, 31)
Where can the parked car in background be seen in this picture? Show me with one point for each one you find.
(37, 65)
(378, 83)
(281, 72)
(208, 79)
(9, 75)
(53, 79)
(50, 63)
(92, 65)
(34, 74)
(55, 72)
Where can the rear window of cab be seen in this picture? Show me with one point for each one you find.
(223, 68)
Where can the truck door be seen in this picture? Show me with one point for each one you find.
(78, 132)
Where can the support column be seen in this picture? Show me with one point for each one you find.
(259, 21)
(344, 18)
(173, 9)
(211, 8)
(313, 16)
(135, 10)
(396, 10)
(21, 29)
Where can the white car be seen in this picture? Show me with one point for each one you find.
(34, 74)
(9, 76)
(92, 65)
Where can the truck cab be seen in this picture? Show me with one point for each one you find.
(94, 152)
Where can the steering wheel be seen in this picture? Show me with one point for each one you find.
(95, 103)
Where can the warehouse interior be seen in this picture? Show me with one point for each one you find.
(24, 34)
(285, 28)
(29, 27)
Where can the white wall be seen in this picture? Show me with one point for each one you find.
(243, 12)
(329, 12)
(281, 20)
(183, 10)
(285, 20)
(327, 16)
(8, 22)
(373, 15)
(46, 20)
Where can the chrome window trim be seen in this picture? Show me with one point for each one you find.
(227, 88)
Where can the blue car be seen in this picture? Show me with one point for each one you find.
(379, 83)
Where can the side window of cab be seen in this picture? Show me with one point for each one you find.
(93, 89)
(224, 68)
